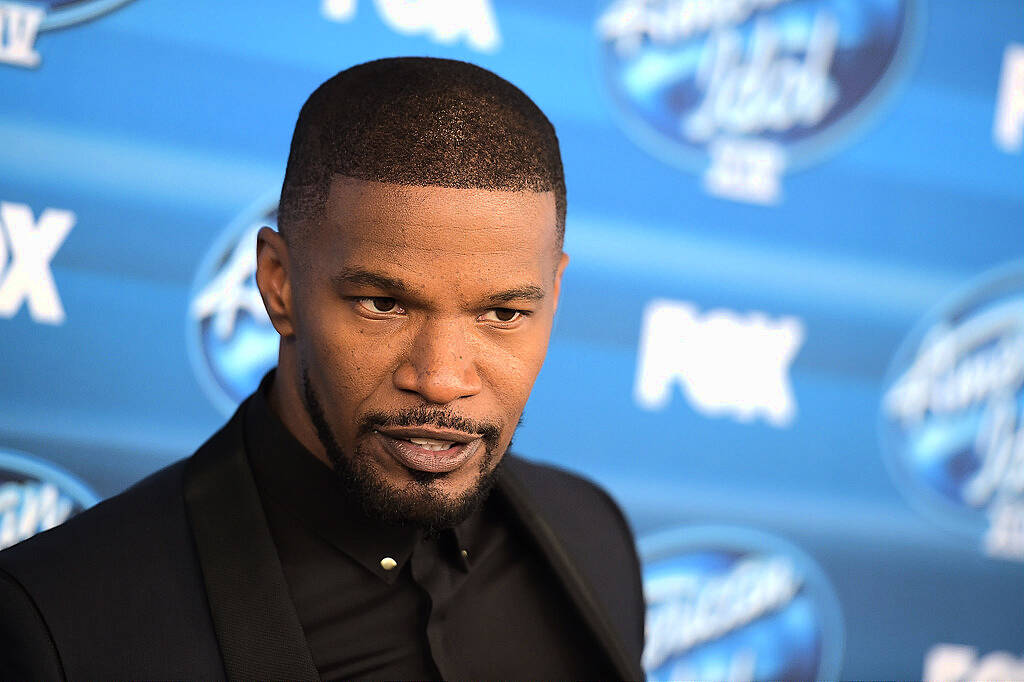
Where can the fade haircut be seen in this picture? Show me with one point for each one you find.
(418, 121)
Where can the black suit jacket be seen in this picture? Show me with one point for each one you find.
(178, 577)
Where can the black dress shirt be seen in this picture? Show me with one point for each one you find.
(381, 601)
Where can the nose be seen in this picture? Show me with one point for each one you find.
(440, 366)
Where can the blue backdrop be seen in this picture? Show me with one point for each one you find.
(791, 340)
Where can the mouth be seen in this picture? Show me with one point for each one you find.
(426, 449)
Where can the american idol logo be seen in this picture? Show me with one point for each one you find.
(726, 603)
(22, 21)
(953, 413)
(747, 89)
(230, 338)
(36, 496)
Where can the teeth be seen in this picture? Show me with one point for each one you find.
(431, 444)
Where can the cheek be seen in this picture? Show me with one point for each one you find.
(511, 368)
(352, 363)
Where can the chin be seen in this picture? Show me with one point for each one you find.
(428, 500)
(405, 496)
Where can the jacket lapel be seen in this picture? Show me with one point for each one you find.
(258, 630)
(564, 567)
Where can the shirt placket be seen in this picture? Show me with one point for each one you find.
(440, 579)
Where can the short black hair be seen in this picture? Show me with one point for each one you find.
(418, 121)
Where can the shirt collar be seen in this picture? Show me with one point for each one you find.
(291, 475)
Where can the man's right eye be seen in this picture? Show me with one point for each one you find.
(379, 305)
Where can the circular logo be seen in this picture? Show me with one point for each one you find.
(63, 13)
(771, 80)
(36, 495)
(22, 21)
(953, 410)
(231, 341)
(734, 603)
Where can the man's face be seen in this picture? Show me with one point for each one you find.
(420, 318)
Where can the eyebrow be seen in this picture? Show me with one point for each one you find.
(366, 278)
(361, 277)
(527, 292)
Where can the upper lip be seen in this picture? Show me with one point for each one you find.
(406, 432)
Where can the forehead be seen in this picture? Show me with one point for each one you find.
(469, 229)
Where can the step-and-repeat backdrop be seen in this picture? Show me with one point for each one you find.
(791, 341)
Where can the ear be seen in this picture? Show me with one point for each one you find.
(272, 267)
(563, 261)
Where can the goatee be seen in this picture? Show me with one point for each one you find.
(418, 502)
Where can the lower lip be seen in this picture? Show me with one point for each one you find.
(432, 461)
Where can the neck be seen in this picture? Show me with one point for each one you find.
(285, 398)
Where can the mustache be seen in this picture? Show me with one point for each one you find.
(422, 415)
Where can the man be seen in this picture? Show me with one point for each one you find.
(358, 516)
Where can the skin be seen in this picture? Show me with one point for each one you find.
(460, 260)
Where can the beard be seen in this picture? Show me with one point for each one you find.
(419, 502)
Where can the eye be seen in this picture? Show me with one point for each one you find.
(503, 315)
(380, 305)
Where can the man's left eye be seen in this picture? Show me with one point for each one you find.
(504, 315)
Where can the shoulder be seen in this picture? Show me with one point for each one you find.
(570, 499)
(596, 533)
(116, 587)
(110, 529)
